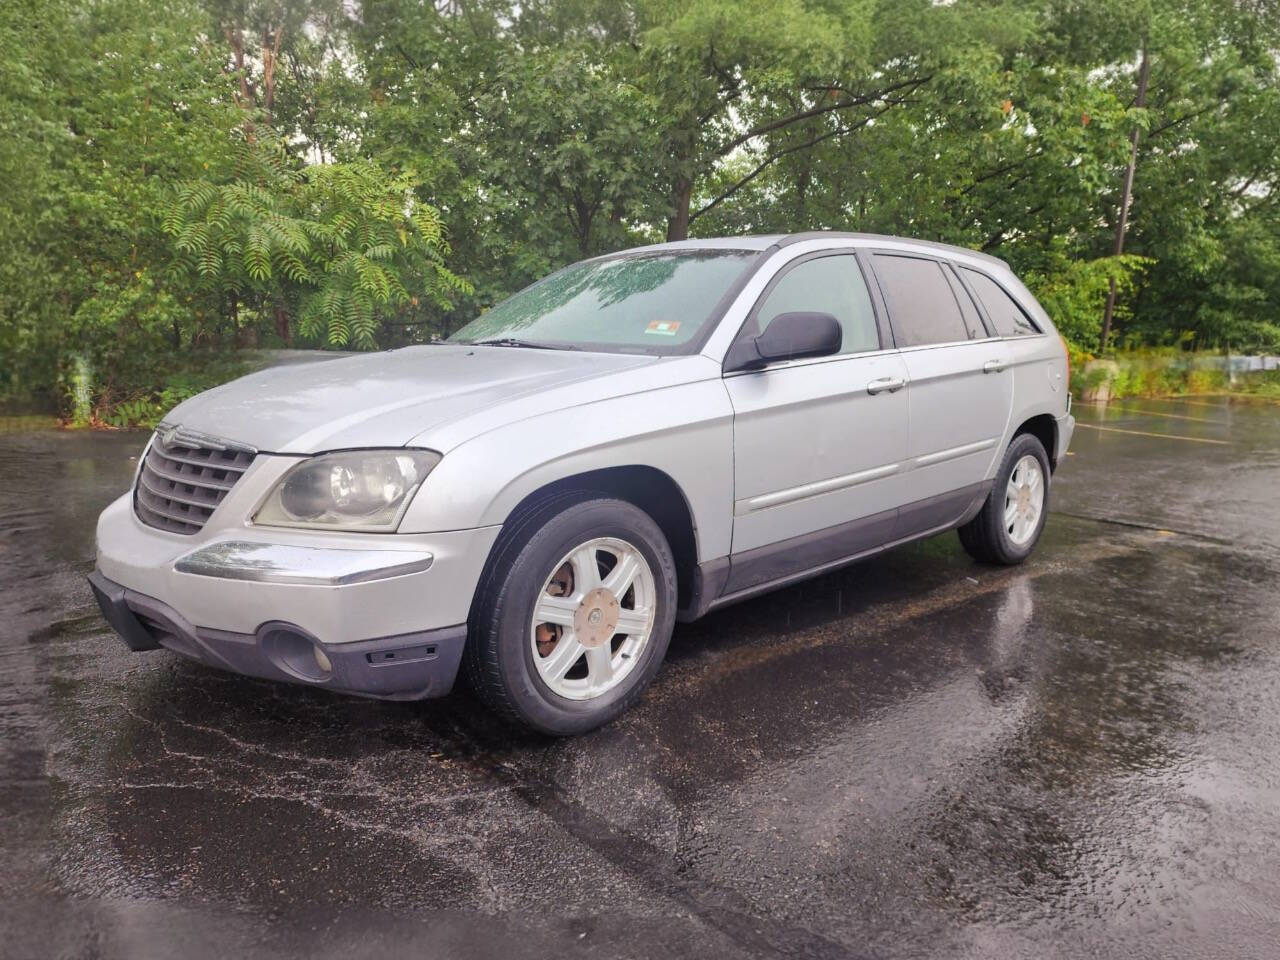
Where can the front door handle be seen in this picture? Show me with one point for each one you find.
(994, 366)
(890, 384)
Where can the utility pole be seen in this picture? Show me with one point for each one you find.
(1126, 195)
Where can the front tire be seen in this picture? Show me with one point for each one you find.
(573, 616)
(1009, 525)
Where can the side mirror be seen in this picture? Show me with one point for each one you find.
(789, 336)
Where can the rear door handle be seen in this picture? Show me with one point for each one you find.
(890, 384)
(994, 366)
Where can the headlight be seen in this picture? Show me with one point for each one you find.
(354, 490)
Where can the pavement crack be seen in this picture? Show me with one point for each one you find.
(725, 910)
(722, 909)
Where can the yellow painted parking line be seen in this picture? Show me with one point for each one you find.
(1194, 403)
(1143, 433)
(1102, 408)
(1171, 416)
(1234, 400)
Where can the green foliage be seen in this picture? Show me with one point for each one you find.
(1152, 372)
(1075, 293)
(576, 132)
(103, 105)
(1263, 384)
(191, 374)
(190, 177)
(1171, 371)
(338, 245)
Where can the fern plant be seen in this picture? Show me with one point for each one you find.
(334, 247)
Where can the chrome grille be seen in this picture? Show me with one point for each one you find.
(183, 479)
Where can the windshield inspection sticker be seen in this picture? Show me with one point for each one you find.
(663, 328)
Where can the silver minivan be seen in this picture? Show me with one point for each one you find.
(636, 439)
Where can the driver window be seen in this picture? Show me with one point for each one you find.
(831, 285)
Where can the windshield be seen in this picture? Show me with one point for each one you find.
(640, 303)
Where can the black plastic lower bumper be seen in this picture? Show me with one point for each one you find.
(411, 666)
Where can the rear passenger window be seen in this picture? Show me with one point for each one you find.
(1008, 318)
(922, 307)
(831, 285)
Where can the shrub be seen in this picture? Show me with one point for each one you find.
(187, 375)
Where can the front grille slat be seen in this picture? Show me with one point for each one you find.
(168, 473)
(187, 458)
(184, 513)
(179, 493)
(181, 483)
(167, 518)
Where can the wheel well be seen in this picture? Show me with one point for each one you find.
(652, 491)
(1044, 429)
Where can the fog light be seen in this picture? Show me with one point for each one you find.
(295, 652)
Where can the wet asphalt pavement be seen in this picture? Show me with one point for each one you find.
(913, 757)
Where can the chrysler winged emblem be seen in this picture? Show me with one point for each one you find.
(175, 433)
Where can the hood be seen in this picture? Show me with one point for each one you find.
(382, 399)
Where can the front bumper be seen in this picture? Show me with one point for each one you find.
(337, 587)
(411, 666)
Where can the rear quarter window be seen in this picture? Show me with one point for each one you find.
(1009, 319)
(972, 322)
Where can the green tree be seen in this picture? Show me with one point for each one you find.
(341, 247)
(739, 85)
(565, 127)
(108, 104)
(1207, 178)
(213, 173)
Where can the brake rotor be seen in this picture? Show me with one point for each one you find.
(547, 635)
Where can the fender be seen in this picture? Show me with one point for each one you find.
(685, 431)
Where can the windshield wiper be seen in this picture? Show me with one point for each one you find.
(516, 342)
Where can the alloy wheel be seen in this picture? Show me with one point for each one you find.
(593, 618)
(1024, 499)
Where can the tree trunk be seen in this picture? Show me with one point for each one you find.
(583, 217)
(246, 94)
(270, 57)
(678, 223)
(282, 324)
(1126, 195)
(802, 195)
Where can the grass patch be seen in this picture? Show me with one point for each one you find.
(1167, 372)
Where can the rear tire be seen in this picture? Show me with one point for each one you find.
(1009, 525)
(573, 615)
